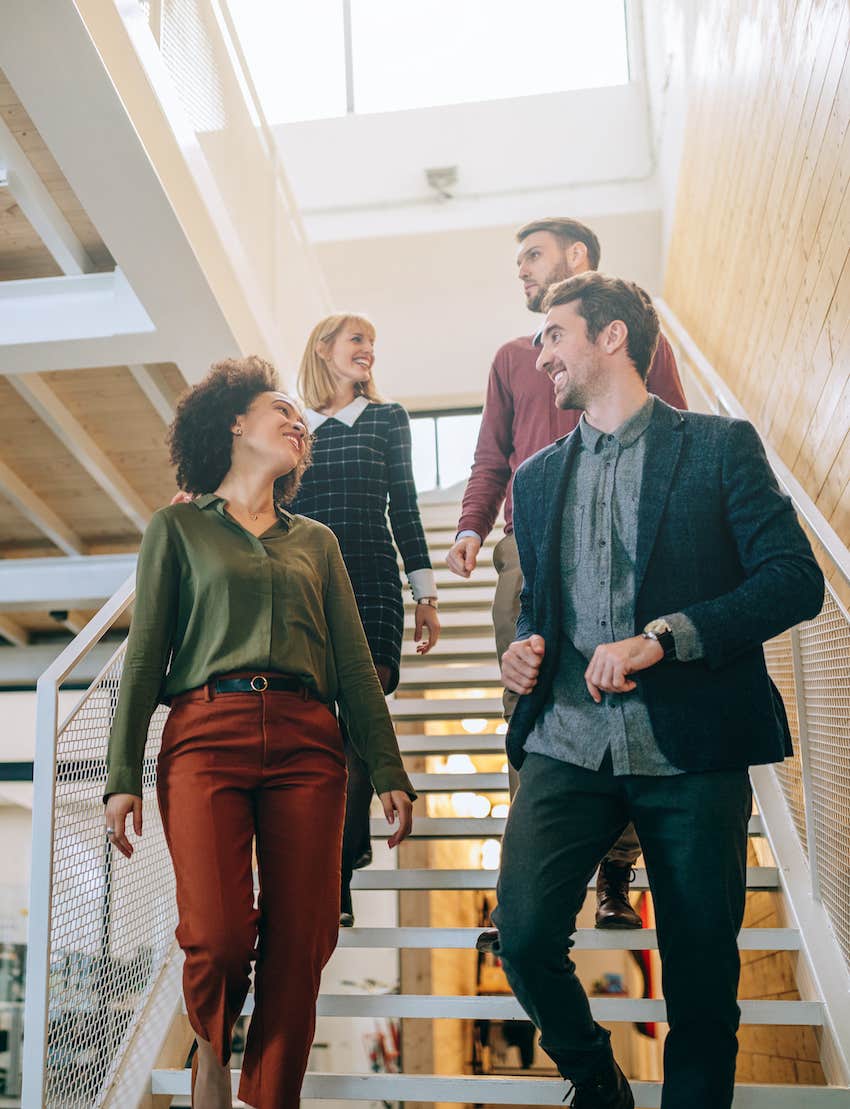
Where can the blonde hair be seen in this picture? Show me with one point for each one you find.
(316, 383)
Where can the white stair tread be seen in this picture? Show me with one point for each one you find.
(472, 595)
(475, 619)
(450, 648)
(448, 579)
(586, 939)
(444, 708)
(458, 742)
(415, 676)
(506, 1007)
(758, 878)
(447, 827)
(489, 1090)
(443, 537)
(455, 783)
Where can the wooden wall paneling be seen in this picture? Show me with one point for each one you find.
(758, 260)
(812, 237)
(781, 214)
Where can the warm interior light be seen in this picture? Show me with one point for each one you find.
(474, 725)
(504, 768)
(500, 810)
(491, 854)
(459, 764)
(502, 728)
(480, 806)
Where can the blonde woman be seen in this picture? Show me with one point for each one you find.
(362, 467)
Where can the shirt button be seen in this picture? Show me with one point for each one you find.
(607, 465)
(610, 438)
(601, 542)
(603, 623)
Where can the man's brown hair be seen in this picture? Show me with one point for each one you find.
(600, 300)
(569, 231)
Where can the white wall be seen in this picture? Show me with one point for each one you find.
(444, 302)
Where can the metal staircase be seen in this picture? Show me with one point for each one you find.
(459, 663)
(103, 986)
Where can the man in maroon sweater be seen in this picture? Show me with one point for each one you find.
(520, 418)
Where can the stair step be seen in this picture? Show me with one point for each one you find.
(464, 621)
(448, 579)
(454, 649)
(758, 878)
(444, 537)
(487, 1090)
(586, 939)
(506, 1007)
(440, 708)
(471, 596)
(486, 827)
(456, 783)
(418, 676)
(457, 743)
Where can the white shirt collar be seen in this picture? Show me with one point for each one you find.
(347, 415)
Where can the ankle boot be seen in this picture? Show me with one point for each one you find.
(613, 909)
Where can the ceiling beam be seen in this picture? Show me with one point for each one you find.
(47, 405)
(51, 584)
(23, 666)
(34, 509)
(45, 311)
(40, 208)
(152, 383)
(13, 632)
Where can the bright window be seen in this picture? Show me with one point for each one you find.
(436, 52)
(443, 447)
(400, 54)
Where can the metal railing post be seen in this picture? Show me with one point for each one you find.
(805, 760)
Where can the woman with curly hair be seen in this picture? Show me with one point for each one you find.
(246, 624)
(362, 468)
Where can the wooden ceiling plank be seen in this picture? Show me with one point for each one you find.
(34, 509)
(11, 630)
(41, 398)
(152, 383)
(40, 208)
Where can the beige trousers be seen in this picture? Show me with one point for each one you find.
(626, 850)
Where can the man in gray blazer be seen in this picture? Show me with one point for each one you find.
(658, 555)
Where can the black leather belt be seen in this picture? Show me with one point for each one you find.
(259, 684)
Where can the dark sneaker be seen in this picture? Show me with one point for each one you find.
(608, 1088)
(488, 941)
(613, 908)
(346, 909)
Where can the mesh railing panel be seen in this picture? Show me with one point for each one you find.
(113, 919)
(780, 663)
(825, 654)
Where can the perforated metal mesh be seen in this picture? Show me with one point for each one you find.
(189, 53)
(113, 919)
(780, 663)
(825, 655)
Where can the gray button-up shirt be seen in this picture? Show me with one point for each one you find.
(598, 549)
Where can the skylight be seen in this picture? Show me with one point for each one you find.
(330, 57)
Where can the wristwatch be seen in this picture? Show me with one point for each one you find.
(430, 601)
(662, 633)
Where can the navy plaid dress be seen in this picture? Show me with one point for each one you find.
(359, 472)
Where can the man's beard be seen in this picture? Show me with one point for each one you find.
(560, 273)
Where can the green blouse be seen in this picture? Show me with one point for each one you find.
(212, 598)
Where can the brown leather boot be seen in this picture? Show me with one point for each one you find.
(613, 908)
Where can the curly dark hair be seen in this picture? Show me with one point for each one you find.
(200, 439)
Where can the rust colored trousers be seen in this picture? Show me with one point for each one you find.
(237, 769)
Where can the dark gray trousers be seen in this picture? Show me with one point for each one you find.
(693, 830)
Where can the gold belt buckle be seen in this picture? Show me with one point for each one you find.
(259, 684)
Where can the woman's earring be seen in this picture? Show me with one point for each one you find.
(238, 431)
